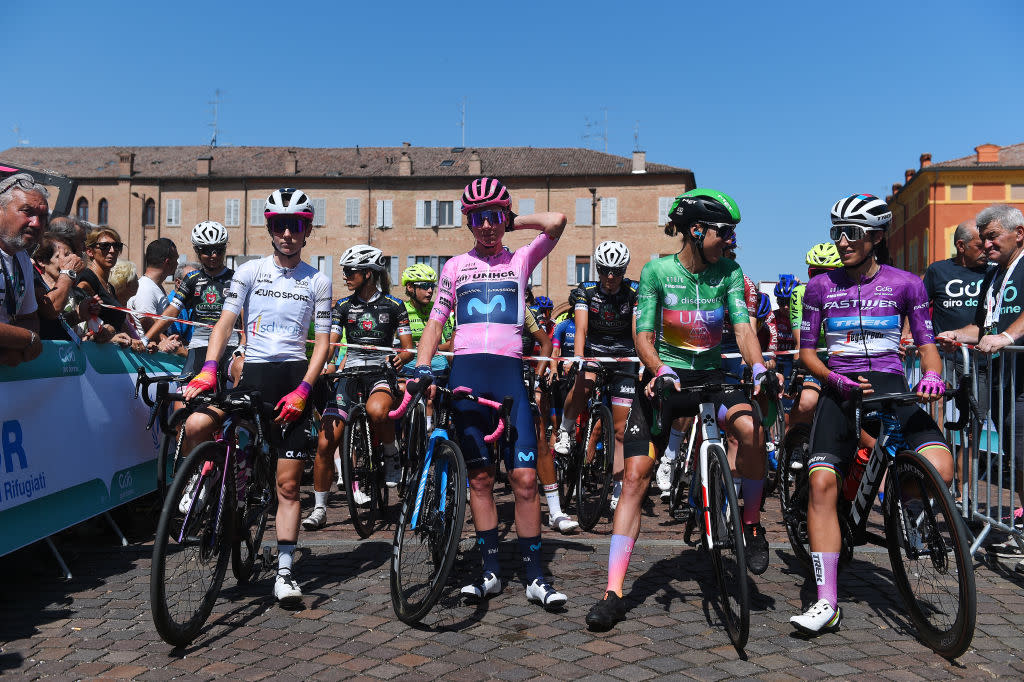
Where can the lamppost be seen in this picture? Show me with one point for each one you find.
(593, 228)
(142, 223)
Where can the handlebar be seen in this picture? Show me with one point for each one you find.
(163, 394)
(886, 401)
(504, 408)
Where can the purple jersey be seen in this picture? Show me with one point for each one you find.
(863, 322)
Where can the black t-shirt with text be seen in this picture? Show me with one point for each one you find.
(953, 291)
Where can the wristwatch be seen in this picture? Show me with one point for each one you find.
(72, 274)
(32, 340)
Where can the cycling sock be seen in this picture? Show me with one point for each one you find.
(753, 491)
(554, 502)
(619, 551)
(487, 540)
(674, 439)
(529, 548)
(826, 575)
(320, 498)
(285, 553)
(430, 422)
(337, 467)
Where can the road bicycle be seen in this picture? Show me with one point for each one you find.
(924, 533)
(433, 509)
(169, 456)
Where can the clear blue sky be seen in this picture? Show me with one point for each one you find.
(786, 106)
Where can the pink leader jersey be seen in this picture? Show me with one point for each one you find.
(487, 295)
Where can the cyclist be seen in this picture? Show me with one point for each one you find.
(683, 300)
(485, 289)
(542, 310)
(279, 295)
(860, 308)
(370, 316)
(420, 282)
(201, 295)
(605, 326)
(562, 337)
(787, 334)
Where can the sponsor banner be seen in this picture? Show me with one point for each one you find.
(73, 439)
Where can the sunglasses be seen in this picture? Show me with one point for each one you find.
(614, 272)
(724, 230)
(424, 286)
(477, 218)
(210, 250)
(293, 224)
(351, 272)
(851, 232)
(116, 247)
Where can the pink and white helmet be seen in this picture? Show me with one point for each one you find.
(288, 201)
(484, 192)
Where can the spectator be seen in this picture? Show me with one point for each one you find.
(953, 284)
(56, 272)
(124, 278)
(73, 229)
(183, 331)
(103, 246)
(23, 214)
(161, 261)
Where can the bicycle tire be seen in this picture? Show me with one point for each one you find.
(794, 446)
(164, 462)
(794, 494)
(181, 600)
(422, 558)
(728, 556)
(595, 471)
(359, 470)
(944, 623)
(414, 437)
(261, 498)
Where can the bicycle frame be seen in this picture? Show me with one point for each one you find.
(712, 438)
(890, 441)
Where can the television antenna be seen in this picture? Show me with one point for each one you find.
(18, 141)
(636, 136)
(216, 112)
(596, 130)
(462, 120)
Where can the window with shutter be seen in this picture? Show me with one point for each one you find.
(352, 211)
(527, 207)
(319, 212)
(256, 217)
(434, 218)
(445, 213)
(609, 211)
(393, 268)
(422, 209)
(380, 213)
(583, 216)
(582, 269)
(456, 214)
(232, 209)
(388, 222)
(174, 212)
(570, 271)
(664, 204)
(433, 263)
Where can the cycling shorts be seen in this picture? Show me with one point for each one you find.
(621, 381)
(197, 356)
(639, 441)
(346, 394)
(833, 443)
(494, 377)
(275, 380)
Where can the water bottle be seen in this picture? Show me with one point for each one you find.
(852, 481)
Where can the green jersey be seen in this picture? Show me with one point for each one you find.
(687, 310)
(417, 322)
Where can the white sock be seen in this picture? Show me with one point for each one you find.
(285, 553)
(554, 502)
(337, 466)
(321, 498)
(430, 422)
(674, 439)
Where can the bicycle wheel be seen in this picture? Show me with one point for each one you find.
(794, 493)
(728, 556)
(679, 494)
(414, 440)
(792, 460)
(360, 473)
(423, 554)
(260, 499)
(595, 467)
(168, 457)
(190, 552)
(930, 555)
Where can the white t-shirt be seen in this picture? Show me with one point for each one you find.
(149, 299)
(21, 273)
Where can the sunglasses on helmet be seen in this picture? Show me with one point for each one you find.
(477, 218)
(293, 224)
(851, 232)
(614, 272)
(724, 230)
(210, 250)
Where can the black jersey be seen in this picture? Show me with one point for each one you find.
(609, 317)
(203, 295)
(370, 323)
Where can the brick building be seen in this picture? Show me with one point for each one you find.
(404, 200)
(939, 196)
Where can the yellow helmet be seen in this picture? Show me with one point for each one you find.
(419, 272)
(824, 255)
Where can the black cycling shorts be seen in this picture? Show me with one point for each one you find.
(197, 356)
(346, 395)
(833, 443)
(275, 380)
(638, 440)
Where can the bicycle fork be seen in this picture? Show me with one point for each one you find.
(421, 486)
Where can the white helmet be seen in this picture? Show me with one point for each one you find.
(209, 233)
(611, 254)
(288, 201)
(865, 210)
(362, 256)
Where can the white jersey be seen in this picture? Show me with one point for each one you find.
(279, 304)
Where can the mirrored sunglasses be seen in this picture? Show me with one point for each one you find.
(851, 232)
(614, 272)
(293, 224)
(117, 247)
(210, 250)
(425, 286)
(477, 218)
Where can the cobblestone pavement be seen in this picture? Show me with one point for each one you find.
(99, 624)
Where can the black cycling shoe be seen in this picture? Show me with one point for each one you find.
(606, 613)
(756, 548)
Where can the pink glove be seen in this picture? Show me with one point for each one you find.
(206, 379)
(931, 384)
(294, 403)
(844, 386)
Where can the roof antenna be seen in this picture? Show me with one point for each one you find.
(18, 141)
(463, 106)
(595, 130)
(216, 111)
(636, 137)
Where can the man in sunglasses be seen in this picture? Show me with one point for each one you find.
(201, 294)
(161, 262)
(23, 213)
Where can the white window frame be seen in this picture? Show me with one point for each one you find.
(319, 212)
(583, 212)
(352, 211)
(609, 211)
(256, 217)
(173, 213)
(537, 276)
(232, 212)
(570, 270)
(451, 220)
(423, 213)
(385, 216)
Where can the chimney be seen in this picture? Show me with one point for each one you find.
(407, 144)
(126, 164)
(475, 167)
(291, 163)
(405, 163)
(908, 175)
(203, 165)
(987, 153)
(639, 161)
(896, 187)
(926, 160)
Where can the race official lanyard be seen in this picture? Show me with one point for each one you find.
(14, 286)
(994, 302)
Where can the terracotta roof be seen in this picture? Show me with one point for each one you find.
(356, 162)
(1011, 156)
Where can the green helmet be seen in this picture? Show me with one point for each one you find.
(703, 205)
(824, 255)
(419, 272)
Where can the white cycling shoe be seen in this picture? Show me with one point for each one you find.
(360, 498)
(563, 524)
(663, 477)
(286, 590)
(539, 592)
(564, 442)
(485, 586)
(818, 619)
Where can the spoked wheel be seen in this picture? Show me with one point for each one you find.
(775, 436)
(191, 549)
(595, 467)
(728, 555)
(169, 458)
(794, 494)
(414, 442)
(362, 479)
(261, 498)
(792, 460)
(565, 476)
(930, 555)
(427, 537)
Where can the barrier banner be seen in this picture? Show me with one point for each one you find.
(73, 439)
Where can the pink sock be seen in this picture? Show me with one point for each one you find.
(618, 561)
(753, 491)
(826, 575)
